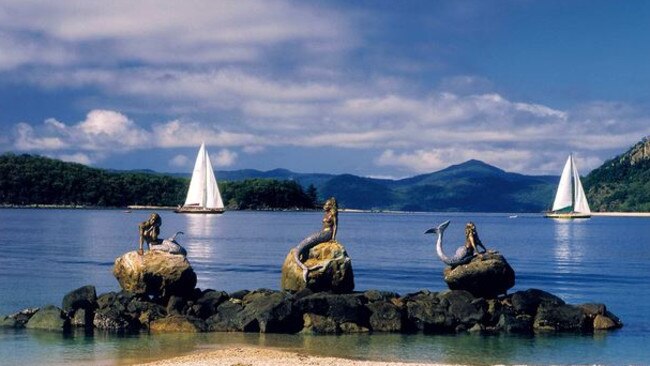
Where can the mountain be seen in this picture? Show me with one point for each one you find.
(622, 183)
(470, 186)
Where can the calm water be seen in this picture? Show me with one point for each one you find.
(50, 252)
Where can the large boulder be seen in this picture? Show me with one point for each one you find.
(332, 270)
(487, 275)
(155, 273)
(49, 317)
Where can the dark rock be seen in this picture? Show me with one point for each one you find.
(527, 302)
(226, 318)
(269, 311)
(82, 298)
(426, 312)
(111, 313)
(239, 294)
(177, 324)
(333, 270)
(591, 309)
(561, 318)
(463, 307)
(49, 317)
(82, 318)
(487, 275)
(385, 317)
(156, 273)
(604, 322)
(512, 323)
(319, 324)
(337, 309)
(19, 319)
(375, 295)
(207, 304)
(176, 305)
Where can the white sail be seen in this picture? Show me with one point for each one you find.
(203, 191)
(580, 203)
(564, 195)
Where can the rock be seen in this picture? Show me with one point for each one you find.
(155, 273)
(487, 275)
(426, 313)
(177, 324)
(319, 324)
(49, 317)
(207, 304)
(336, 309)
(82, 319)
(385, 317)
(603, 322)
(271, 311)
(527, 302)
(515, 323)
(112, 313)
(560, 318)
(19, 319)
(82, 298)
(226, 318)
(333, 273)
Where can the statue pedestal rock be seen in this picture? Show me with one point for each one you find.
(330, 269)
(155, 273)
(486, 275)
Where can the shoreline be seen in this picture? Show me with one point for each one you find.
(254, 356)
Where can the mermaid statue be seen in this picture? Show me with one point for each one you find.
(464, 253)
(150, 229)
(327, 233)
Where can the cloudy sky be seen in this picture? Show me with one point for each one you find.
(375, 88)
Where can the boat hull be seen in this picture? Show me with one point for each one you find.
(567, 215)
(198, 210)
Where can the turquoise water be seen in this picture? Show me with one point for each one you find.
(50, 252)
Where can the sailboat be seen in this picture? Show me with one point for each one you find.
(570, 200)
(203, 195)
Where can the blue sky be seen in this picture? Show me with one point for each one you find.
(375, 88)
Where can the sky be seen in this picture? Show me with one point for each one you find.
(374, 88)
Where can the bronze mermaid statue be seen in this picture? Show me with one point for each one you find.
(464, 253)
(327, 233)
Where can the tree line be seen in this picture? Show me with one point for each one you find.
(36, 180)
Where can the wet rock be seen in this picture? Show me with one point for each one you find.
(111, 313)
(319, 324)
(487, 275)
(156, 273)
(527, 302)
(337, 308)
(561, 318)
(177, 324)
(512, 323)
(425, 312)
(604, 322)
(82, 298)
(19, 319)
(49, 317)
(330, 270)
(385, 317)
(207, 304)
(271, 311)
(227, 317)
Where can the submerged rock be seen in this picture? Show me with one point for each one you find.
(155, 273)
(487, 275)
(330, 270)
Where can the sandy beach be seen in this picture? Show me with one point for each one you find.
(252, 356)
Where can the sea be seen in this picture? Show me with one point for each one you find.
(49, 252)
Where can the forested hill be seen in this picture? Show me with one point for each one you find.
(622, 183)
(31, 180)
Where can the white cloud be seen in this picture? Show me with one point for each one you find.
(179, 161)
(76, 158)
(224, 158)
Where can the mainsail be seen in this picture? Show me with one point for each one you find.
(203, 191)
(570, 195)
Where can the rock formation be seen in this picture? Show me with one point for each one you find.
(486, 275)
(330, 270)
(155, 273)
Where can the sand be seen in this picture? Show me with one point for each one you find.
(252, 356)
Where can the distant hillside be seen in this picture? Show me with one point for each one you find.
(471, 186)
(622, 183)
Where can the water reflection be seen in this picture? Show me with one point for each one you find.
(201, 233)
(569, 242)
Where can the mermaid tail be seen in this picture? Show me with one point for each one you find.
(462, 256)
(302, 250)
